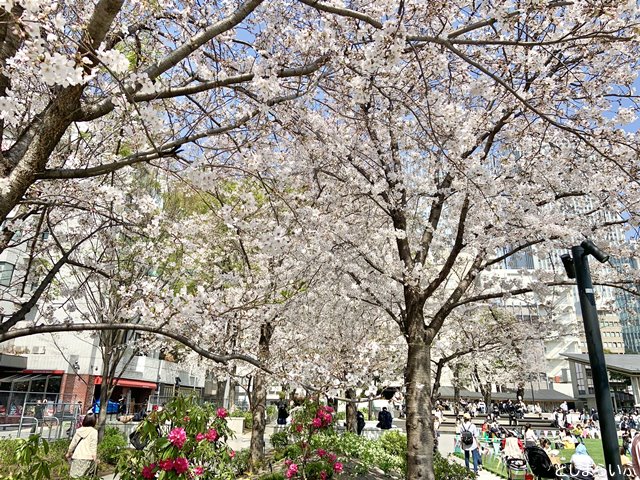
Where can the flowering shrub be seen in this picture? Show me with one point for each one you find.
(387, 453)
(310, 463)
(186, 441)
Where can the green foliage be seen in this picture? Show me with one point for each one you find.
(279, 440)
(341, 416)
(30, 459)
(238, 413)
(313, 470)
(240, 463)
(449, 470)
(394, 443)
(248, 420)
(272, 411)
(372, 453)
(272, 476)
(184, 432)
(111, 446)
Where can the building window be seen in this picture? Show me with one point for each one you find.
(6, 274)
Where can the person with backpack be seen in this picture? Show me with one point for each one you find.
(469, 442)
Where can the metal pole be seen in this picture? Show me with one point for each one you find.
(608, 432)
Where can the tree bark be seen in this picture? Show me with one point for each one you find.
(259, 400)
(487, 395)
(351, 411)
(419, 422)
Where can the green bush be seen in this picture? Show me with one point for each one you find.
(272, 476)
(240, 463)
(111, 446)
(279, 440)
(33, 458)
(248, 420)
(237, 413)
(372, 453)
(394, 443)
(313, 470)
(341, 416)
(272, 412)
(449, 470)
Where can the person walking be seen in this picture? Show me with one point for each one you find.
(385, 420)
(469, 442)
(38, 414)
(83, 450)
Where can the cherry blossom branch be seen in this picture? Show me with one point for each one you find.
(457, 247)
(26, 307)
(189, 342)
(104, 107)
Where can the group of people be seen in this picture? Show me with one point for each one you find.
(513, 444)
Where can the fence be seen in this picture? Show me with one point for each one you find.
(51, 420)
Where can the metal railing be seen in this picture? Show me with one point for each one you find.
(52, 421)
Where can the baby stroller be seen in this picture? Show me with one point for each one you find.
(540, 464)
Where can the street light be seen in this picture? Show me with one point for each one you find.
(578, 268)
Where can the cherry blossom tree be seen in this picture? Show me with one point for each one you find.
(87, 89)
(453, 136)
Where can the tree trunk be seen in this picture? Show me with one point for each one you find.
(219, 398)
(259, 400)
(487, 395)
(351, 411)
(419, 422)
(456, 389)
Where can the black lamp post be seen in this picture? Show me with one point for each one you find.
(578, 268)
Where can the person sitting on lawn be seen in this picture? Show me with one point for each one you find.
(582, 465)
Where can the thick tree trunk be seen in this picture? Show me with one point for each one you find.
(259, 403)
(259, 400)
(351, 411)
(419, 421)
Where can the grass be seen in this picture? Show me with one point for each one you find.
(594, 448)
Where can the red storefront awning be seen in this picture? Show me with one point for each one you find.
(123, 382)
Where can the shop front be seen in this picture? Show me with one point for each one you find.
(20, 391)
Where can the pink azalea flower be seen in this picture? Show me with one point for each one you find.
(148, 472)
(323, 475)
(331, 457)
(321, 453)
(317, 423)
(212, 435)
(291, 471)
(198, 471)
(200, 437)
(337, 467)
(166, 465)
(232, 453)
(180, 465)
(222, 413)
(177, 436)
(298, 428)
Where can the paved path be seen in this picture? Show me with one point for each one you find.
(445, 447)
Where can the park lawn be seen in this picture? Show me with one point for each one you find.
(594, 448)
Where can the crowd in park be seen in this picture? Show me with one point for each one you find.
(518, 445)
